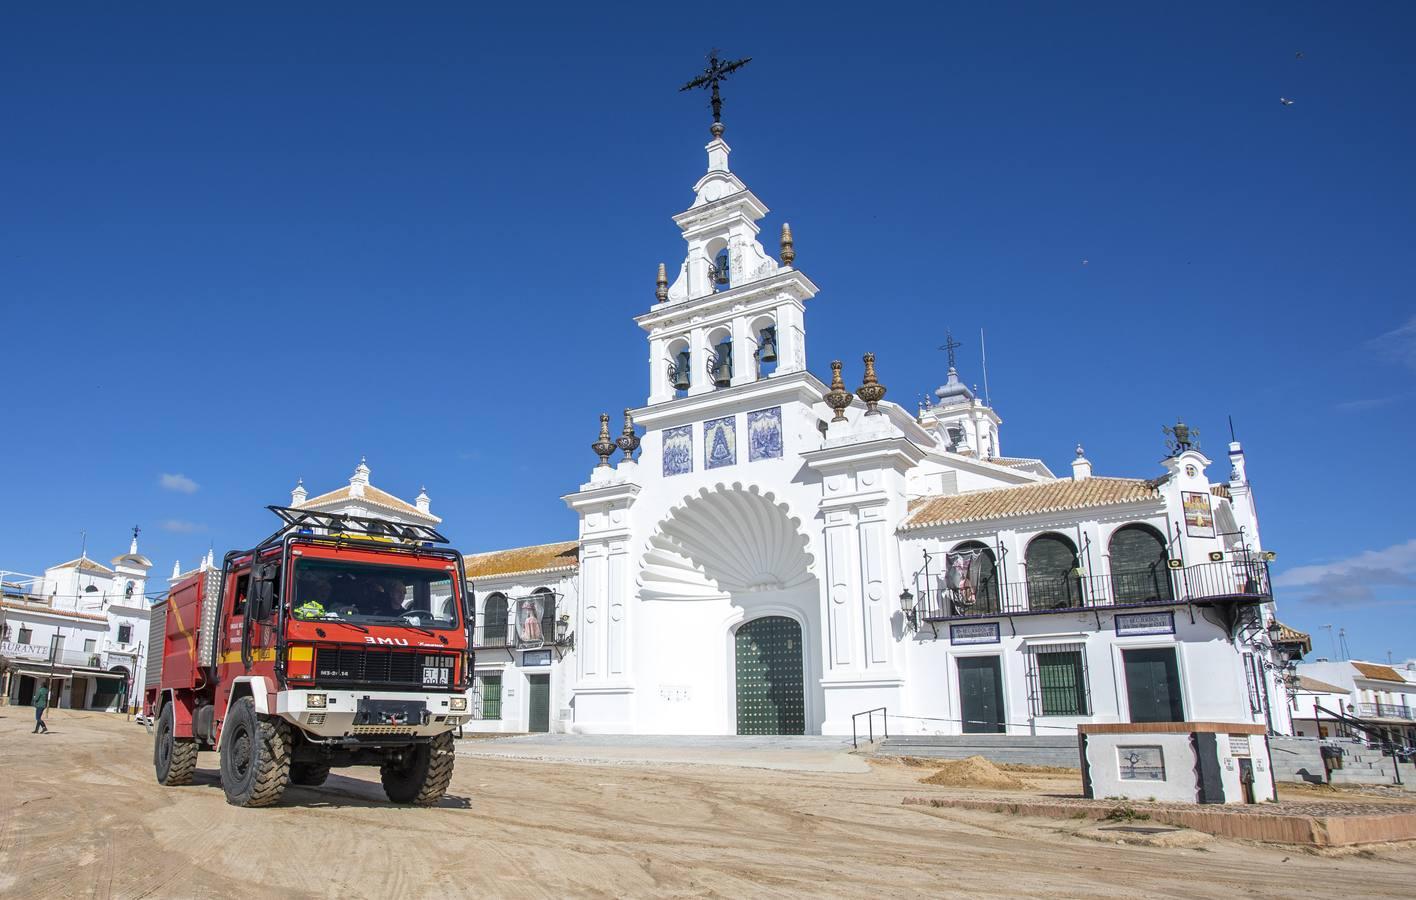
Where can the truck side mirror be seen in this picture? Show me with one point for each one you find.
(261, 603)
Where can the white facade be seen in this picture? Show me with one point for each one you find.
(744, 572)
(81, 626)
(1382, 696)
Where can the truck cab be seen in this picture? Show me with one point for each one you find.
(337, 641)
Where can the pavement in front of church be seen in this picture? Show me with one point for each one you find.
(795, 753)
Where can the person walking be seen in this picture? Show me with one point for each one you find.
(41, 701)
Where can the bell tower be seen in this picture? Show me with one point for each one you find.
(734, 314)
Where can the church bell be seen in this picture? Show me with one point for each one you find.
(767, 344)
(720, 269)
(721, 366)
(678, 372)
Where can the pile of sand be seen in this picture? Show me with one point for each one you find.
(974, 772)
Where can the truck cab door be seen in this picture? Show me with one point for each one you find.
(229, 645)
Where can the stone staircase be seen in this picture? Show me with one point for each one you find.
(999, 748)
(1300, 759)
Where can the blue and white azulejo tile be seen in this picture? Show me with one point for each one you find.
(678, 450)
(764, 434)
(720, 442)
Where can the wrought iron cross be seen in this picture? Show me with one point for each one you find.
(717, 70)
(950, 345)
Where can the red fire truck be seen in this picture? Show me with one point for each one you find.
(337, 641)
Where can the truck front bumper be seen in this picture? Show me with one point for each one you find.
(364, 713)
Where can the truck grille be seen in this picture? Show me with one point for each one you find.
(355, 665)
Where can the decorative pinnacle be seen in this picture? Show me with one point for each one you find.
(604, 446)
(788, 248)
(871, 390)
(661, 284)
(1080, 452)
(628, 441)
(838, 398)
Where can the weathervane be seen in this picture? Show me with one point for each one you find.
(950, 345)
(717, 70)
(1181, 437)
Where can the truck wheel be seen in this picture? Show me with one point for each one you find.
(255, 756)
(309, 774)
(423, 773)
(174, 758)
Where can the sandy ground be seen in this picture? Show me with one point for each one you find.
(80, 816)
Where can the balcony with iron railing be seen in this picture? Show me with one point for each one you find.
(1385, 711)
(1242, 581)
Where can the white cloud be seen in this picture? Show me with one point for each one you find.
(1366, 404)
(1399, 344)
(179, 483)
(181, 526)
(1354, 580)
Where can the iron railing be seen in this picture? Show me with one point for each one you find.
(1385, 711)
(1244, 580)
(870, 725)
(495, 634)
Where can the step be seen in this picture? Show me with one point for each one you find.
(984, 740)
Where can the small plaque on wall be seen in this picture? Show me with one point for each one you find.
(1140, 763)
(974, 633)
(1145, 623)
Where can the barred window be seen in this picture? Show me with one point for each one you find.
(1057, 680)
(489, 690)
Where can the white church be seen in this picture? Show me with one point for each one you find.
(773, 554)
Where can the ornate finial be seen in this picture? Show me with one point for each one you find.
(628, 441)
(788, 249)
(1080, 452)
(1181, 437)
(604, 446)
(717, 70)
(661, 284)
(949, 346)
(838, 398)
(871, 390)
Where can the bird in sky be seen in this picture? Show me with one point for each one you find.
(1285, 101)
(1298, 55)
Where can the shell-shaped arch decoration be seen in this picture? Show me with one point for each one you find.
(725, 540)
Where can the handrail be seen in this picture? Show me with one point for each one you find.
(870, 725)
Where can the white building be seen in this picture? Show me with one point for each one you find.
(1382, 697)
(848, 554)
(81, 626)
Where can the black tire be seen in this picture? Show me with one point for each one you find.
(309, 774)
(255, 756)
(173, 758)
(421, 774)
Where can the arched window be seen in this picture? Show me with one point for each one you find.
(680, 366)
(494, 621)
(1053, 580)
(765, 354)
(548, 613)
(1138, 565)
(971, 579)
(722, 271)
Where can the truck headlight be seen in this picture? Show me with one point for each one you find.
(314, 701)
(457, 704)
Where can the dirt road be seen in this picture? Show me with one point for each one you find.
(80, 816)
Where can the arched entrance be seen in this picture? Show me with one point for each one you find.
(728, 572)
(771, 688)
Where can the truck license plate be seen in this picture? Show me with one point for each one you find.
(435, 675)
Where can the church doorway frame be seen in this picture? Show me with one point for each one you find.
(810, 721)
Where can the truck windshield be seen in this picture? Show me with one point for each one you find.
(326, 590)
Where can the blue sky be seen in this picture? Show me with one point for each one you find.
(249, 246)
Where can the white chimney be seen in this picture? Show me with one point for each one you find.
(423, 501)
(298, 495)
(1081, 466)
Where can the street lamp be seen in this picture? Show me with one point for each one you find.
(907, 607)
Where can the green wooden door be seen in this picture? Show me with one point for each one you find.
(1153, 685)
(540, 703)
(981, 694)
(771, 695)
